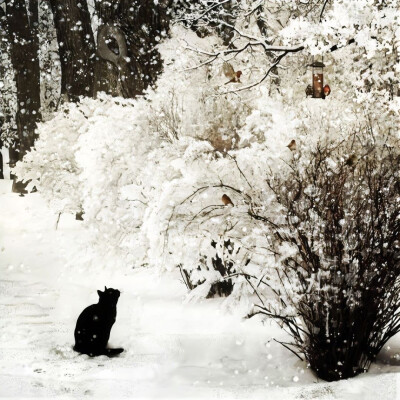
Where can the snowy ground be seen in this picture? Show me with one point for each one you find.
(173, 349)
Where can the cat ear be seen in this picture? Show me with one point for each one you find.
(99, 292)
(105, 288)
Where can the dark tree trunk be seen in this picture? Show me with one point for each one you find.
(3, 48)
(143, 23)
(76, 47)
(22, 31)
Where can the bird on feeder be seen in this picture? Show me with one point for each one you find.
(230, 73)
(309, 91)
(327, 90)
(317, 82)
(226, 200)
(292, 146)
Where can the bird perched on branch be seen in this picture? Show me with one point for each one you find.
(226, 200)
(309, 91)
(351, 160)
(230, 73)
(292, 146)
(327, 90)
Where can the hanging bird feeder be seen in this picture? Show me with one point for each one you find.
(318, 80)
(317, 90)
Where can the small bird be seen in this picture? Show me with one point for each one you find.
(292, 145)
(226, 200)
(351, 160)
(327, 90)
(230, 73)
(309, 91)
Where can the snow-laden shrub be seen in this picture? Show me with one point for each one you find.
(52, 166)
(215, 273)
(191, 100)
(130, 164)
(336, 242)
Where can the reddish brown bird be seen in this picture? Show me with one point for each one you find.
(292, 145)
(226, 200)
(327, 90)
(231, 74)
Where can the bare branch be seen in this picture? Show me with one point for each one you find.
(278, 60)
(323, 9)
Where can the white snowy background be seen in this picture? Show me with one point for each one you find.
(135, 167)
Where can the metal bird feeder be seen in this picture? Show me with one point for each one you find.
(318, 79)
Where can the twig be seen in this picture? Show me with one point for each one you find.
(58, 219)
(287, 347)
(212, 206)
(259, 4)
(241, 172)
(209, 61)
(205, 12)
(278, 60)
(255, 291)
(323, 9)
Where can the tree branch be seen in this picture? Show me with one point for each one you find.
(323, 9)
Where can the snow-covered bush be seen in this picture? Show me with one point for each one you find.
(130, 164)
(336, 242)
(52, 166)
(215, 273)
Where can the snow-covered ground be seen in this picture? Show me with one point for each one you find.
(174, 349)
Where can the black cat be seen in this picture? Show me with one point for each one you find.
(94, 325)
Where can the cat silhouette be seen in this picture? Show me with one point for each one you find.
(94, 325)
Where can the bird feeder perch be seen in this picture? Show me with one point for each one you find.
(318, 80)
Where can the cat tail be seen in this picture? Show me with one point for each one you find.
(113, 352)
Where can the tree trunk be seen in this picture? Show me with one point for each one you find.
(22, 31)
(144, 23)
(76, 47)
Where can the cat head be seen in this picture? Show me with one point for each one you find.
(109, 295)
